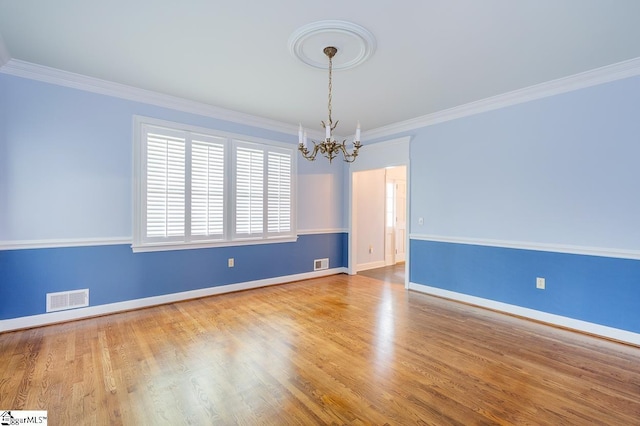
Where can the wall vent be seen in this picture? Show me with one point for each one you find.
(319, 264)
(67, 300)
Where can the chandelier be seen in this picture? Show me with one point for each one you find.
(329, 147)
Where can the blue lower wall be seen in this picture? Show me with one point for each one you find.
(113, 273)
(600, 290)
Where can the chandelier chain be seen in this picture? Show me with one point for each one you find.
(330, 88)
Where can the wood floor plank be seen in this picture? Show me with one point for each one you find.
(334, 350)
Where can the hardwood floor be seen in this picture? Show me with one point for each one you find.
(336, 350)
(393, 274)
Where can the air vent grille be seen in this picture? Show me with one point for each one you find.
(67, 300)
(319, 264)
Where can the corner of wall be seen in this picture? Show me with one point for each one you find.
(4, 53)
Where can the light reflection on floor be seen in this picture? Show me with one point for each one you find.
(385, 331)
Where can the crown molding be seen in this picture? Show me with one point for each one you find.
(58, 77)
(618, 71)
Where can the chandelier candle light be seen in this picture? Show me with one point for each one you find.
(329, 147)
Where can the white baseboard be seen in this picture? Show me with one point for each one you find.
(93, 311)
(557, 320)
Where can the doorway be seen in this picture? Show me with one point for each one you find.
(379, 223)
(367, 196)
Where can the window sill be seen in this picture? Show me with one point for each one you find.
(151, 247)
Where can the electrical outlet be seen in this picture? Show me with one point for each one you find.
(540, 283)
(370, 249)
(420, 221)
(231, 262)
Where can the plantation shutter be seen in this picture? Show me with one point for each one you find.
(165, 185)
(207, 188)
(279, 192)
(200, 189)
(249, 183)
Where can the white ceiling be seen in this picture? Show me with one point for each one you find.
(431, 54)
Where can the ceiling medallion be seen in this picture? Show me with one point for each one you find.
(355, 43)
(313, 44)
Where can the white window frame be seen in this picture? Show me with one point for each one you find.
(142, 243)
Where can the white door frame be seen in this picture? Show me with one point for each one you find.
(394, 152)
(391, 257)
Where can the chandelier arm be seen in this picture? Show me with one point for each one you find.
(349, 157)
(305, 152)
(316, 149)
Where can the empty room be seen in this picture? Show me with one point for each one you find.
(270, 213)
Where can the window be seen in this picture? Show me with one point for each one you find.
(279, 195)
(199, 188)
(207, 189)
(249, 180)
